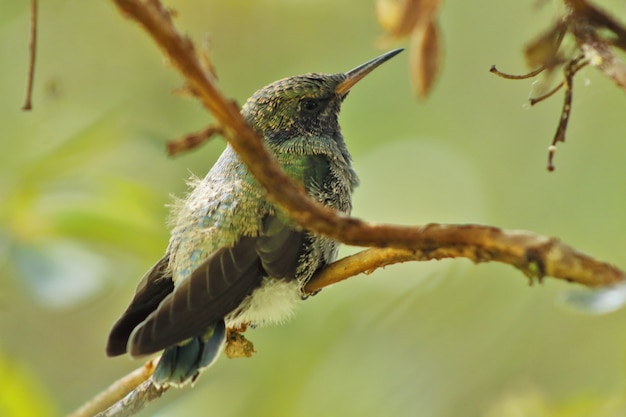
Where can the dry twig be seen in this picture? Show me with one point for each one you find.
(32, 55)
(594, 32)
(192, 140)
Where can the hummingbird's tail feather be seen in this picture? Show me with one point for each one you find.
(182, 363)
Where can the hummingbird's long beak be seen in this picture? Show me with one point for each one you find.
(355, 75)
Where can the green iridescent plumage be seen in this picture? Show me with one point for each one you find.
(233, 258)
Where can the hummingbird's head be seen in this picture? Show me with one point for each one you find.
(297, 107)
(305, 106)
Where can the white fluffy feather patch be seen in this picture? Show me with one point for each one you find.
(272, 303)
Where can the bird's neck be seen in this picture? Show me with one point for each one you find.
(310, 159)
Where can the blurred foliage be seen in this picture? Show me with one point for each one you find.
(84, 181)
(21, 393)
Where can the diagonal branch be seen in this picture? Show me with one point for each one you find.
(292, 198)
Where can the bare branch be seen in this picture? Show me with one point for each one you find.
(116, 391)
(568, 80)
(494, 70)
(33, 53)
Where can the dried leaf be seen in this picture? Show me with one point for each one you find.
(400, 17)
(393, 18)
(597, 49)
(543, 51)
(425, 11)
(424, 58)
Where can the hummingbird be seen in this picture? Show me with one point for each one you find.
(234, 258)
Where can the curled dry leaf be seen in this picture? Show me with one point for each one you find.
(424, 58)
(400, 17)
(543, 51)
(426, 10)
(397, 17)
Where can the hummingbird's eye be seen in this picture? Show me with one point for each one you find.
(309, 105)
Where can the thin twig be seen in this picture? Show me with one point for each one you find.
(192, 140)
(568, 80)
(501, 74)
(535, 100)
(33, 53)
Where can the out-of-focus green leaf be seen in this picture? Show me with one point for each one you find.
(114, 211)
(60, 273)
(21, 393)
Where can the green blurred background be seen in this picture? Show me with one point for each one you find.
(84, 184)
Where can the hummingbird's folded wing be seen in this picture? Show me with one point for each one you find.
(219, 285)
(280, 247)
(155, 285)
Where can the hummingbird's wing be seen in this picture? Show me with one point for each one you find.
(219, 285)
(155, 285)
